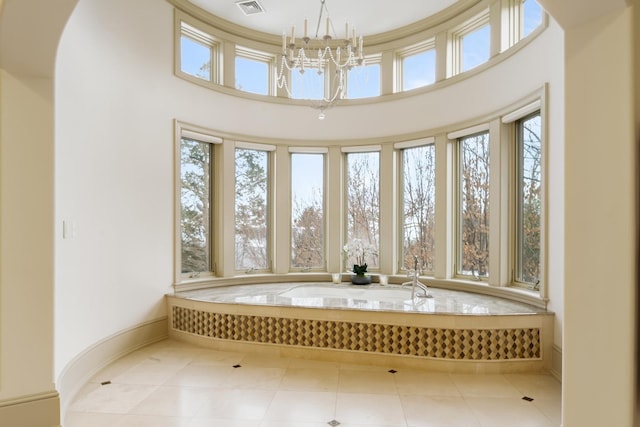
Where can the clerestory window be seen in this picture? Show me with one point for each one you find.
(198, 54)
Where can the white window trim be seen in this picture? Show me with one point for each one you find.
(522, 112)
(309, 150)
(414, 143)
(361, 149)
(255, 146)
(468, 131)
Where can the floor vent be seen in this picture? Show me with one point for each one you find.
(250, 7)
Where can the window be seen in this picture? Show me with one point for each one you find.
(418, 206)
(473, 206)
(252, 209)
(310, 84)
(469, 45)
(196, 183)
(531, 16)
(417, 66)
(252, 71)
(307, 210)
(529, 203)
(475, 48)
(363, 200)
(197, 53)
(364, 81)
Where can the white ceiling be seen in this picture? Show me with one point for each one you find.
(368, 16)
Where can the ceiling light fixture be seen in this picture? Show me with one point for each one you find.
(326, 55)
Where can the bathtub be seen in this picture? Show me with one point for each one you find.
(452, 331)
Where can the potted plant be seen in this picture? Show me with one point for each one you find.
(358, 250)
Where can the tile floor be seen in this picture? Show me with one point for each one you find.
(173, 384)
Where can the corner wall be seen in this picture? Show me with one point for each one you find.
(600, 270)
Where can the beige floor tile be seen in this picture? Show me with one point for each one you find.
(425, 383)
(221, 422)
(302, 406)
(237, 404)
(172, 401)
(311, 363)
(216, 357)
(184, 385)
(491, 385)
(507, 412)
(537, 386)
(93, 419)
(116, 368)
(113, 398)
(370, 409)
(133, 420)
(310, 379)
(256, 378)
(264, 360)
(148, 372)
(437, 411)
(200, 376)
(552, 408)
(364, 381)
(269, 423)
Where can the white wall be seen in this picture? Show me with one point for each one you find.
(116, 98)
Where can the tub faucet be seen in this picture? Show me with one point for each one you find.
(415, 283)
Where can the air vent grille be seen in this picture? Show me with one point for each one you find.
(250, 7)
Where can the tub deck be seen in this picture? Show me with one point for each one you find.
(370, 297)
(454, 331)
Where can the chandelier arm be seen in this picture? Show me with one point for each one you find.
(322, 7)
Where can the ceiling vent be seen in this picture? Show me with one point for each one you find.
(250, 7)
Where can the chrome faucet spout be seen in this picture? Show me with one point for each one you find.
(415, 283)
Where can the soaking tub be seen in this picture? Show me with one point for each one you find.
(451, 330)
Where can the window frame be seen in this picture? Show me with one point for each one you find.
(190, 30)
(256, 55)
(402, 54)
(517, 201)
(456, 36)
(207, 136)
(269, 209)
(457, 190)
(318, 151)
(368, 61)
(345, 153)
(401, 148)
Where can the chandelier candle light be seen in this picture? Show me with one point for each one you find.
(322, 55)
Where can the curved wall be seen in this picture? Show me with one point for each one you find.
(116, 100)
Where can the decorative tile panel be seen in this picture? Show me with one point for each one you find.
(436, 343)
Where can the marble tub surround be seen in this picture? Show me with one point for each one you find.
(371, 297)
(453, 331)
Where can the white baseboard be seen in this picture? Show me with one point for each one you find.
(89, 362)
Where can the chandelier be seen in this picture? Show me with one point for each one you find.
(327, 55)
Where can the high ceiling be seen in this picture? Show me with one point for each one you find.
(368, 16)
